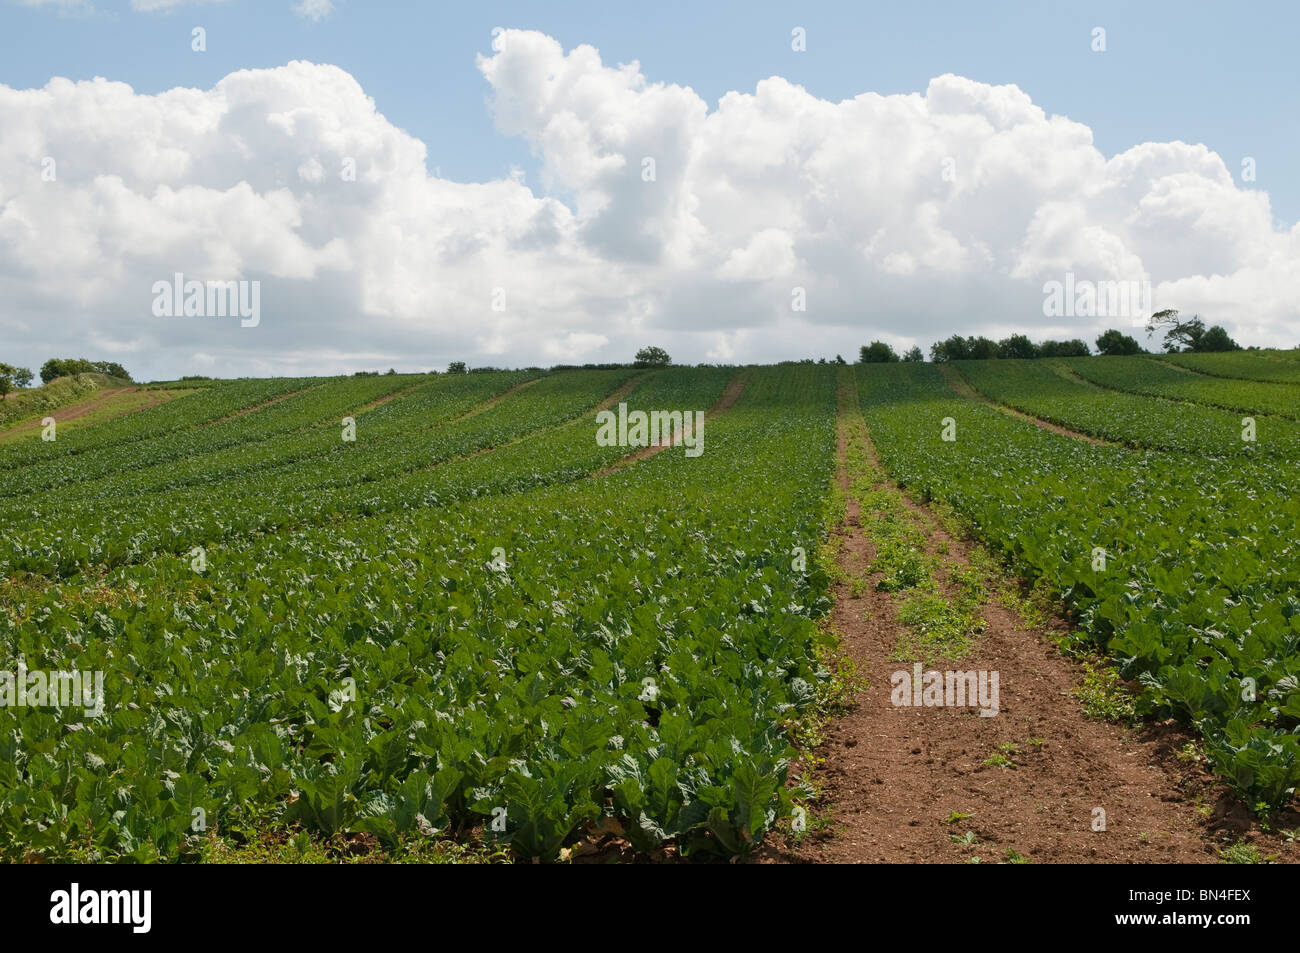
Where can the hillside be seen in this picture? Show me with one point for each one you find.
(404, 605)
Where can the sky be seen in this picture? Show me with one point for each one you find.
(517, 184)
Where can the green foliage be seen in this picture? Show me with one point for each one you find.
(1075, 347)
(1104, 695)
(41, 400)
(1245, 366)
(1198, 593)
(652, 357)
(1017, 346)
(877, 352)
(1216, 339)
(1243, 853)
(353, 662)
(1168, 379)
(1190, 335)
(958, 348)
(1036, 388)
(1116, 343)
(13, 377)
(955, 348)
(66, 367)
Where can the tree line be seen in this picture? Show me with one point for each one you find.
(1181, 335)
(15, 378)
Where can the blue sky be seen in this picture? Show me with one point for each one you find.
(904, 176)
(1199, 72)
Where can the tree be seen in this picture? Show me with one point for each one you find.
(1072, 348)
(877, 352)
(112, 369)
(956, 348)
(1179, 335)
(50, 370)
(652, 357)
(1216, 339)
(12, 378)
(914, 355)
(1115, 343)
(982, 348)
(55, 368)
(457, 367)
(839, 359)
(1017, 346)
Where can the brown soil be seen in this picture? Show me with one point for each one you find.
(257, 407)
(605, 404)
(492, 402)
(618, 395)
(71, 412)
(893, 776)
(386, 398)
(1071, 375)
(92, 404)
(964, 389)
(734, 389)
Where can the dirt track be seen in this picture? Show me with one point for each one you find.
(964, 389)
(77, 409)
(735, 388)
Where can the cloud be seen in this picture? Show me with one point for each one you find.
(314, 10)
(166, 6)
(903, 217)
(66, 8)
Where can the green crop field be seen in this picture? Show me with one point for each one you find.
(466, 616)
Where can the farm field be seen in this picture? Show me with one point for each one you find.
(475, 622)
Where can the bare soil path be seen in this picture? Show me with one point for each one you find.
(735, 388)
(88, 405)
(493, 401)
(964, 389)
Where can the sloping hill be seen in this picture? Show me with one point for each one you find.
(22, 404)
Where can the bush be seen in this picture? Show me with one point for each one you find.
(1216, 339)
(1115, 343)
(652, 357)
(953, 349)
(877, 352)
(1017, 346)
(55, 368)
(1071, 348)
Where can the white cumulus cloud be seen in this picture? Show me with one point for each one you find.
(659, 219)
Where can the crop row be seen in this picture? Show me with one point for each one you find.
(1168, 380)
(1040, 389)
(240, 432)
(392, 472)
(1185, 568)
(1281, 368)
(632, 647)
